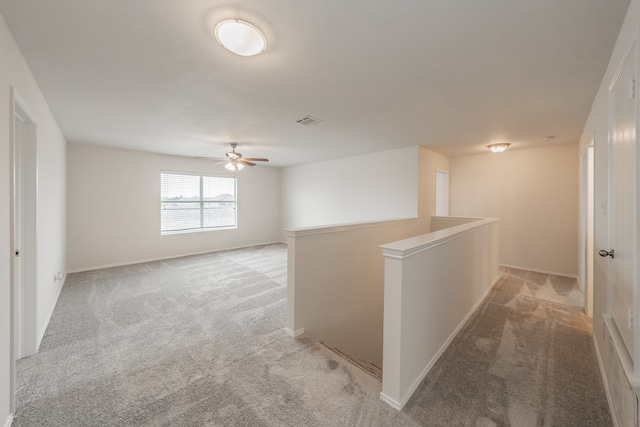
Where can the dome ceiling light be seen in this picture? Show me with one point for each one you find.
(498, 148)
(240, 37)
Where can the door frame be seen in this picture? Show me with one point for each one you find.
(587, 248)
(23, 190)
(440, 196)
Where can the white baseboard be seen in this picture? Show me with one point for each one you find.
(605, 382)
(403, 401)
(294, 334)
(555, 273)
(9, 420)
(43, 330)
(391, 402)
(142, 261)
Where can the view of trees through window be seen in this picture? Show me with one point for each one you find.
(192, 202)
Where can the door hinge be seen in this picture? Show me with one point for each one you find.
(632, 88)
(630, 319)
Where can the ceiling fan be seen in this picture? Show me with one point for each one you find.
(235, 162)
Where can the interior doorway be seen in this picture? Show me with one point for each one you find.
(588, 227)
(23, 233)
(442, 193)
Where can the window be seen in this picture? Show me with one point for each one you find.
(191, 202)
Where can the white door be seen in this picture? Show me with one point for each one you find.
(622, 223)
(25, 336)
(18, 290)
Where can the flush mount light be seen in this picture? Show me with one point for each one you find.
(498, 148)
(240, 37)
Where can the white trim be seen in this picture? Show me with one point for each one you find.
(434, 359)
(20, 109)
(8, 421)
(307, 231)
(621, 352)
(142, 261)
(198, 230)
(294, 334)
(45, 325)
(603, 375)
(621, 66)
(463, 219)
(391, 402)
(17, 98)
(414, 245)
(555, 273)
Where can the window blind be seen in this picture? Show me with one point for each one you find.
(193, 202)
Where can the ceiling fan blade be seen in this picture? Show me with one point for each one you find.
(255, 159)
(245, 162)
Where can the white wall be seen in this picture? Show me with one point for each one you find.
(51, 221)
(535, 194)
(387, 185)
(432, 285)
(51, 201)
(430, 162)
(114, 205)
(336, 273)
(371, 187)
(597, 128)
(335, 284)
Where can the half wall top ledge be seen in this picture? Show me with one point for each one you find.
(413, 245)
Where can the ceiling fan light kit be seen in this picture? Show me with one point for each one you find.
(234, 166)
(235, 162)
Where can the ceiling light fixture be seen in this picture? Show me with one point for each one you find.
(240, 37)
(234, 166)
(498, 148)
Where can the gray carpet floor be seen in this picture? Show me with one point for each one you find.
(199, 341)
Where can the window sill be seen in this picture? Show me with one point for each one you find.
(198, 230)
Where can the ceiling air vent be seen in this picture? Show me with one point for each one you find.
(309, 121)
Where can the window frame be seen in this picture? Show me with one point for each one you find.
(201, 203)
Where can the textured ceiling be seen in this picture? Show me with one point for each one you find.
(452, 75)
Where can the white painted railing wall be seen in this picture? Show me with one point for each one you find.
(432, 284)
(441, 222)
(335, 284)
